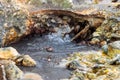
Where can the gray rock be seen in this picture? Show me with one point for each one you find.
(115, 45)
(105, 49)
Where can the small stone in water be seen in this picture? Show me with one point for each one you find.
(49, 60)
(49, 49)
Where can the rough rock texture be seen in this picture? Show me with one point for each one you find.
(25, 60)
(8, 53)
(28, 61)
(116, 60)
(109, 30)
(17, 23)
(115, 44)
(13, 21)
(95, 66)
(11, 70)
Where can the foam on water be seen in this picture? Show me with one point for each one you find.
(57, 37)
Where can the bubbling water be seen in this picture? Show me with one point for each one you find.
(59, 37)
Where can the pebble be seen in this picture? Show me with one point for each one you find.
(49, 49)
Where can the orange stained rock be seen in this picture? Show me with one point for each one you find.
(10, 36)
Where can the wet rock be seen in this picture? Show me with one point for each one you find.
(28, 61)
(32, 76)
(8, 53)
(11, 70)
(49, 49)
(74, 65)
(2, 73)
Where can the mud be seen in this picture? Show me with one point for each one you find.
(48, 62)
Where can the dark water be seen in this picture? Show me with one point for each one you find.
(36, 48)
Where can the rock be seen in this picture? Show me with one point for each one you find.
(97, 67)
(8, 53)
(105, 49)
(32, 76)
(103, 43)
(13, 21)
(19, 60)
(115, 61)
(49, 49)
(91, 75)
(112, 49)
(108, 30)
(96, 34)
(2, 73)
(115, 44)
(28, 61)
(94, 41)
(12, 71)
(73, 65)
(78, 75)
